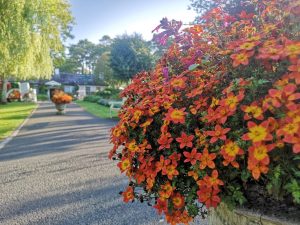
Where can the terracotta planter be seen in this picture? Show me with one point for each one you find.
(224, 216)
(60, 108)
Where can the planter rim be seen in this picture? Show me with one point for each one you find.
(251, 213)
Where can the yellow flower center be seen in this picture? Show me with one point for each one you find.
(177, 83)
(133, 147)
(291, 128)
(231, 101)
(293, 49)
(247, 46)
(260, 152)
(231, 149)
(176, 114)
(217, 133)
(257, 133)
(241, 57)
(177, 201)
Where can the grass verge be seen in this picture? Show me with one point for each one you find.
(12, 115)
(96, 109)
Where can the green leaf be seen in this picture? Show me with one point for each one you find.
(193, 67)
(245, 175)
(294, 188)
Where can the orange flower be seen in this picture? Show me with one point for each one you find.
(132, 146)
(241, 58)
(136, 115)
(252, 111)
(211, 181)
(164, 141)
(150, 183)
(270, 52)
(192, 156)
(176, 115)
(248, 46)
(193, 174)
(153, 110)
(218, 133)
(230, 150)
(166, 191)
(295, 67)
(214, 102)
(185, 218)
(161, 206)
(206, 159)
(128, 195)
(116, 132)
(162, 163)
(222, 113)
(292, 48)
(202, 102)
(178, 82)
(259, 153)
(185, 140)
(59, 97)
(232, 100)
(209, 197)
(139, 176)
(257, 133)
(289, 129)
(170, 171)
(124, 164)
(257, 169)
(201, 138)
(178, 201)
(175, 157)
(244, 15)
(286, 94)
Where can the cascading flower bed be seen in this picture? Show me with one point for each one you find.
(218, 117)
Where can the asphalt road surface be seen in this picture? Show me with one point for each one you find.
(56, 172)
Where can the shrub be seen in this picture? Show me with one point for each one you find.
(219, 115)
(91, 98)
(42, 97)
(109, 93)
(104, 102)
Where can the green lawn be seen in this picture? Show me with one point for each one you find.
(96, 109)
(12, 115)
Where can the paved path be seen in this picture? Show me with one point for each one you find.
(56, 172)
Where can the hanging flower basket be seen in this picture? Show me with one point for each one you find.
(219, 115)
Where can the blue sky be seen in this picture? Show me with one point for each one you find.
(95, 18)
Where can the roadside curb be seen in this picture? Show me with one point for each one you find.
(15, 132)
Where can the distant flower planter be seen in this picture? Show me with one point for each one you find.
(60, 99)
(60, 108)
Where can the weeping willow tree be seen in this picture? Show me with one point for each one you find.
(31, 34)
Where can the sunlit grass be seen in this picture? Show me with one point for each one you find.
(96, 109)
(12, 115)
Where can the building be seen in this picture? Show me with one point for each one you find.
(80, 84)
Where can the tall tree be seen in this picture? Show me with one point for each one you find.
(104, 70)
(31, 32)
(233, 7)
(82, 54)
(130, 55)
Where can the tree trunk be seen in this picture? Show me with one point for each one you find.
(4, 91)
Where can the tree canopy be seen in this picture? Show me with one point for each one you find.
(31, 32)
(130, 54)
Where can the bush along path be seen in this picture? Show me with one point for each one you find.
(56, 171)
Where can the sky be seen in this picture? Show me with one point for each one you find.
(95, 18)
